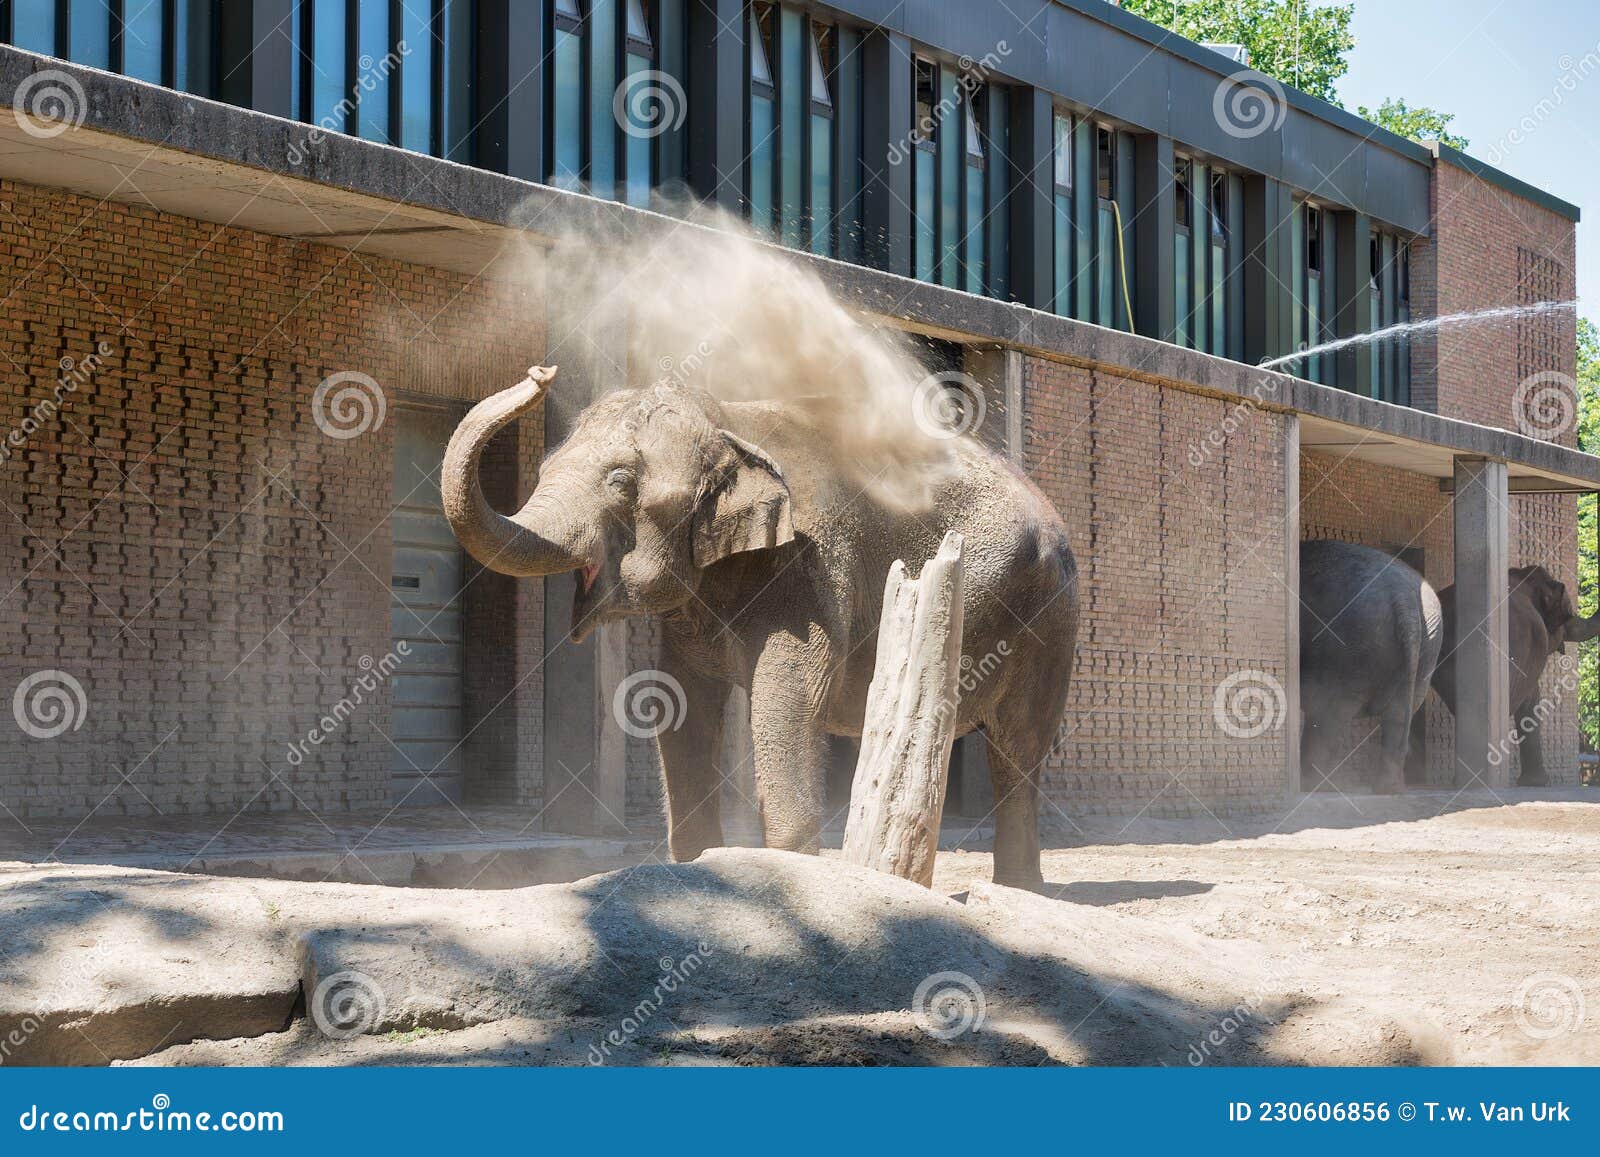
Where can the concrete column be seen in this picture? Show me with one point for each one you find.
(1154, 229)
(1291, 610)
(1353, 298)
(1266, 315)
(585, 749)
(886, 114)
(1483, 673)
(1033, 271)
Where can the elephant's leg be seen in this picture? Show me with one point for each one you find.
(1528, 747)
(787, 690)
(689, 770)
(1016, 755)
(1394, 741)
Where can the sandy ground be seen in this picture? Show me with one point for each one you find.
(1363, 932)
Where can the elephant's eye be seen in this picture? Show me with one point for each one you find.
(620, 479)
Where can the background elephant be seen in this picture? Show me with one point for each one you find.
(1540, 621)
(738, 525)
(1370, 633)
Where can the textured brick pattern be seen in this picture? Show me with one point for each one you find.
(1489, 249)
(185, 542)
(1182, 562)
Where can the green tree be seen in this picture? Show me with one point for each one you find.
(1292, 40)
(1588, 565)
(1418, 124)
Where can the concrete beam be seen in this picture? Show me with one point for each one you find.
(1483, 672)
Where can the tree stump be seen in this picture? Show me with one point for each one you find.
(897, 795)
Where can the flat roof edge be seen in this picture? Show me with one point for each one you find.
(1504, 180)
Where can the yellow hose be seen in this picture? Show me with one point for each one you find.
(1122, 262)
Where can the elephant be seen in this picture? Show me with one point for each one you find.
(737, 525)
(1370, 633)
(1540, 621)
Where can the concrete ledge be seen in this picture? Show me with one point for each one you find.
(471, 198)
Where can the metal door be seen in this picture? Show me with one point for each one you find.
(425, 580)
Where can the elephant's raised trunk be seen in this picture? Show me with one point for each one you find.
(508, 545)
(1582, 630)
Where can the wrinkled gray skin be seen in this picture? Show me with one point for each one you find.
(1370, 633)
(734, 523)
(1540, 621)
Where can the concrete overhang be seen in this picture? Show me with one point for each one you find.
(145, 145)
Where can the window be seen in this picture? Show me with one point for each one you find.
(417, 34)
(821, 143)
(1183, 247)
(142, 39)
(1062, 224)
(977, 162)
(1309, 290)
(639, 169)
(1217, 227)
(566, 96)
(1314, 240)
(33, 25)
(1107, 261)
(370, 86)
(925, 171)
(1105, 163)
(89, 32)
(763, 118)
(326, 64)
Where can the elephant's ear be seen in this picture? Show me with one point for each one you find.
(1550, 598)
(744, 505)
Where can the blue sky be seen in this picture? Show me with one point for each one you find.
(1492, 62)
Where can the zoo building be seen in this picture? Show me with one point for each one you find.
(216, 218)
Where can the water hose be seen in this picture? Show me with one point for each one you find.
(1122, 263)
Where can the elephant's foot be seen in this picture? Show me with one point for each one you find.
(1390, 785)
(686, 842)
(1028, 881)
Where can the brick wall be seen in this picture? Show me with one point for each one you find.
(1181, 550)
(1490, 248)
(184, 542)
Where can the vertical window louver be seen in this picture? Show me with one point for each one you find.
(925, 171)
